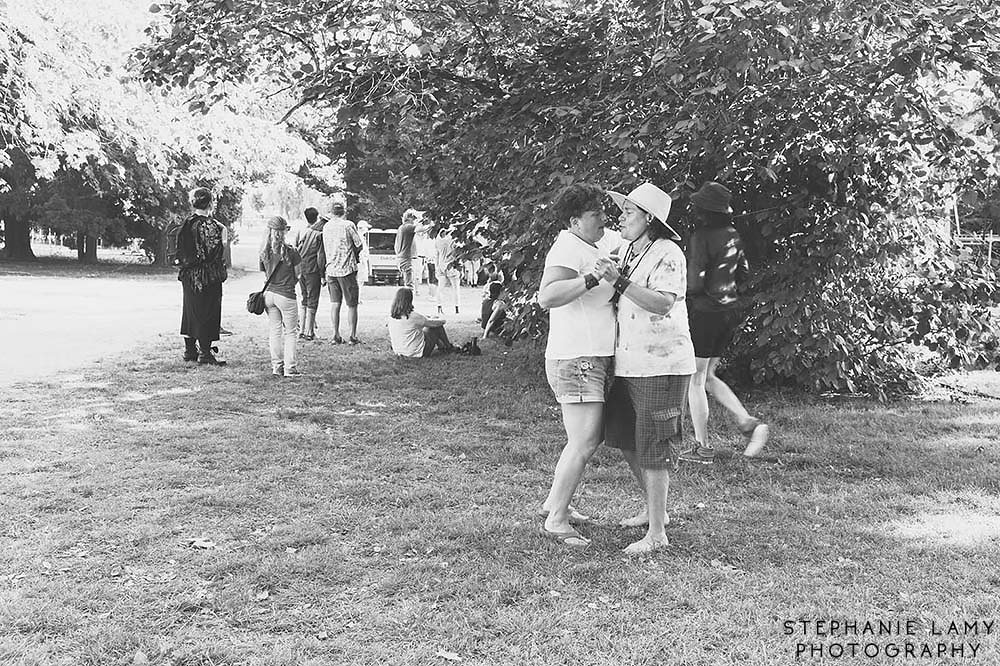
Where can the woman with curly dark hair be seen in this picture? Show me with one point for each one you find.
(580, 347)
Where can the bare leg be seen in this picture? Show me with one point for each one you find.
(437, 337)
(335, 318)
(642, 517)
(698, 399)
(657, 485)
(719, 390)
(352, 320)
(583, 422)
(443, 341)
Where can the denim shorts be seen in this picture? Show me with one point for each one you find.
(582, 379)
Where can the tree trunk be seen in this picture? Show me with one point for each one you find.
(86, 248)
(17, 237)
(160, 248)
(91, 253)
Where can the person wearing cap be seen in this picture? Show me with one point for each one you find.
(282, 263)
(309, 244)
(580, 346)
(716, 261)
(342, 247)
(654, 358)
(201, 259)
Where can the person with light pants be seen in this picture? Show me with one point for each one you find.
(446, 265)
(282, 263)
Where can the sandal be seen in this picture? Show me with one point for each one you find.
(570, 538)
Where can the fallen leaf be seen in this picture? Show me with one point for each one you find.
(699, 505)
(553, 593)
(450, 656)
(322, 635)
(291, 550)
(202, 543)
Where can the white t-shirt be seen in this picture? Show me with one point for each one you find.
(407, 335)
(652, 345)
(585, 326)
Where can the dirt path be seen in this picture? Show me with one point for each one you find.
(51, 323)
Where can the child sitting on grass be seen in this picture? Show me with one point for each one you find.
(413, 334)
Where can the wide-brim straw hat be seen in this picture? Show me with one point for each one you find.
(713, 196)
(651, 199)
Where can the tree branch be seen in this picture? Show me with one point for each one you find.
(299, 39)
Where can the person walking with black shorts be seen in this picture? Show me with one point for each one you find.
(715, 262)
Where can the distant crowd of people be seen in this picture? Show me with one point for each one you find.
(327, 253)
(637, 327)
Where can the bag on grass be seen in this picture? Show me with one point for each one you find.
(255, 301)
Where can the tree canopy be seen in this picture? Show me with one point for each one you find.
(842, 128)
(96, 152)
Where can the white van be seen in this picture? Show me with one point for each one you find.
(382, 267)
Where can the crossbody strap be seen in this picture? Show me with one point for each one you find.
(273, 271)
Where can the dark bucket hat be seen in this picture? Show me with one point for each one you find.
(714, 197)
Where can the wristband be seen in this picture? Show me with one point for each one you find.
(621, 284)
(590, 281)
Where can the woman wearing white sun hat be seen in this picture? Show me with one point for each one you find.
(654, 358)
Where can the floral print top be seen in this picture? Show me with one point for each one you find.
(201, 252)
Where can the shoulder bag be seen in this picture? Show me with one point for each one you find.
(255, 301)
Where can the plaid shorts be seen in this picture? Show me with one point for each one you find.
(643, 414)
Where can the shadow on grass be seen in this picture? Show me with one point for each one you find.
(381, 510)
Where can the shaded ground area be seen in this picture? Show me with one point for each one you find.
(382, 511)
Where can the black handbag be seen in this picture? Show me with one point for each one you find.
(255, 301)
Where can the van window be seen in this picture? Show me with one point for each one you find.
(382, 243)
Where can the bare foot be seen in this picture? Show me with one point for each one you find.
(646, 545)
(575, 516)
(641, 519)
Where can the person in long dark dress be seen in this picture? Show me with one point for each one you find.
(201, 258)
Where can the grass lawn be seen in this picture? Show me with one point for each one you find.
(381, 511)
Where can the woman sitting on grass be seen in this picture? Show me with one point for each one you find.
(413, 334)
(493, 312)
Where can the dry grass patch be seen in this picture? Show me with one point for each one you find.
(381, 511)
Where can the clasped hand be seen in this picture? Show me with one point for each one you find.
(607, 269)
